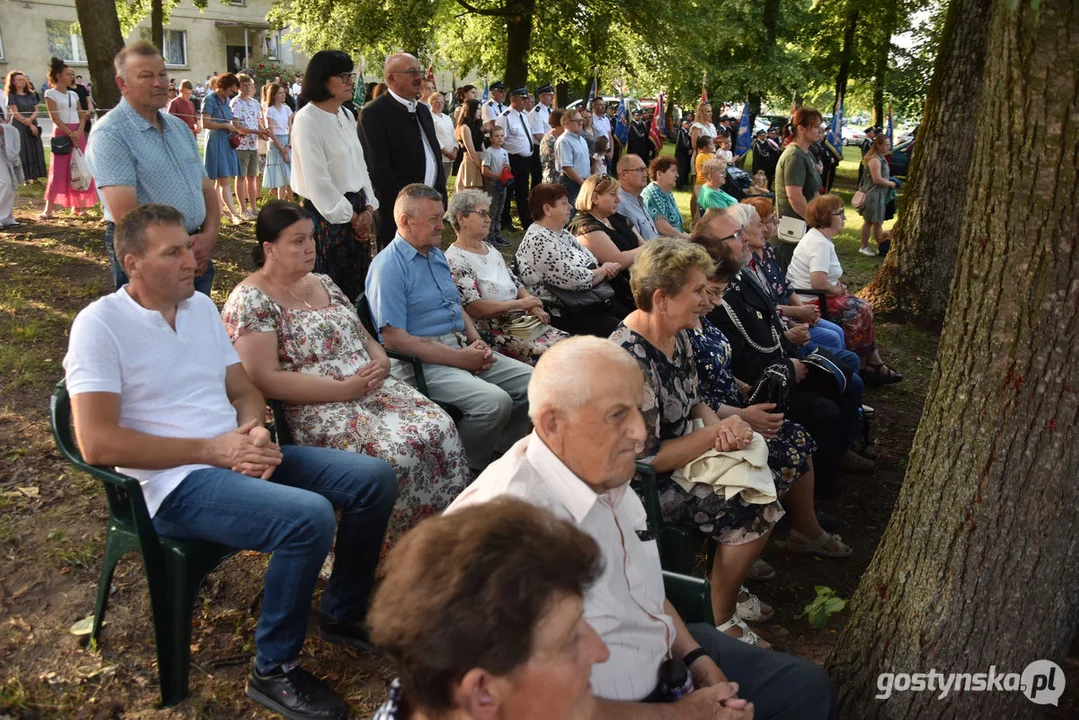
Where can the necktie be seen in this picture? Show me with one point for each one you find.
(528, 133)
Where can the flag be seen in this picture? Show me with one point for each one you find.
(704, 92)
(835, 134)
(593, 93)
(657, 122)
(889, 123)
(741, 146)
(430, 72)
(621, 126)
(484, 88)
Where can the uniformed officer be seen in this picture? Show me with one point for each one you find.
(871, 133)
(521, 147)
(495, 106)
(539, 121)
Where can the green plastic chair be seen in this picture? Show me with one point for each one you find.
(691, 596)
(677, 541)
(175, 568)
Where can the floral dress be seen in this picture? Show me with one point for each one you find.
(671, 391)
(789, 452)
(486, 277)
(395, 423)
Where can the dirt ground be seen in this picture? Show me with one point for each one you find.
(52, 519)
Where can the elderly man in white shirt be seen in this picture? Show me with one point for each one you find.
(584, 400)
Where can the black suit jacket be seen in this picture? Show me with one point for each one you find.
(756, 314)
(394, 155)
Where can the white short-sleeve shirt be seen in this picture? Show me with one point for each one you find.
(814, 253)
(171, 383)
(67, 105)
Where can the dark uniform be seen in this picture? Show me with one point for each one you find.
(639, 143)
(683, 152)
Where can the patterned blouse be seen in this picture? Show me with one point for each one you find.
(771, 276)
(546, 151)
(657, 202)
(247, 113)
(557, 258)
(671, 389)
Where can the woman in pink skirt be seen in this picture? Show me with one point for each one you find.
(68, 121)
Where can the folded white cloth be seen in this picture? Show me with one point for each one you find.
(730, 473)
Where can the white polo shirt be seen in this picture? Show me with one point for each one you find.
(519, 140)
(539, 119)
(814, 253)
(171, 383)
(625, 606)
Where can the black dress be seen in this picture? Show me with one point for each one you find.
(622, 235)
(32, 150)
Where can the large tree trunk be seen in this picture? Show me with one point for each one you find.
(846, 55)
(914, 280)
(977, 567)
(101, 36)
(157, 24)
(518, 41)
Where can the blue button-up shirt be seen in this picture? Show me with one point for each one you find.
(162, 165)
(413, 292)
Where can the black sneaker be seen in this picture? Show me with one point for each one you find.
(296, 694)
(343, 633)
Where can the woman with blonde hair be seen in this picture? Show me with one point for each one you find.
(711, 194)
(878, 189)
(608, 235)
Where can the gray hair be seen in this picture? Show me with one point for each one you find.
(742, 214)
(564, 376)
(408, 196)
(142, 48)
(464, 202)
(711, 166)
(131, 231)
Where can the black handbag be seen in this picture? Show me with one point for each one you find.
(61, 144)
(774, 386)
(576, 300)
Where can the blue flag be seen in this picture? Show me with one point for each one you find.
(889, 124)
(835, 134)
(592, 93)
(484, 89)
(741, 147)
(621, 127)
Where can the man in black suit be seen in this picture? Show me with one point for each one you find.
(399, 140)
(683, 150)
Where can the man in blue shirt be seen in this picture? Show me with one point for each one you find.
(139, 154)
(416, 309)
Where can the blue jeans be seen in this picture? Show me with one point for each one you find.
(292, 517)
(850, 401)
(825, 334)
(203, 282)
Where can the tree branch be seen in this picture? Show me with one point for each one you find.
(504, 12)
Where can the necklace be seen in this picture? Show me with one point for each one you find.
(306, 295)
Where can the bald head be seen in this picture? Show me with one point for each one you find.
(404, 75)
(566, 375)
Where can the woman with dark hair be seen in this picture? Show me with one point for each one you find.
(329, 171)
(70, 122)
(302, 343)
(469, 136)
(22, 109)
(797, 179)
(222, 162)
(481, 613)
(659, 199)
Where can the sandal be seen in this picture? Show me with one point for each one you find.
(880, 374)
(750, 608)
(748, 636)
(799, 543)
(761, 571)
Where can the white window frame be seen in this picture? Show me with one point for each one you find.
(238, 3)
(74, 46)
(144, 33)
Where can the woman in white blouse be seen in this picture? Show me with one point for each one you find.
(443, 131)
(816, 265)
(551, 257)
(278, 116)
(69, 122)
(330, 173)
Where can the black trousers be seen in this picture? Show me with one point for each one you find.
(535, 168)
(683, 170)
(520, 167)
(822, 418)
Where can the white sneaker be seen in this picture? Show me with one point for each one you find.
(251, 215)
(237, 220)
(868, 251)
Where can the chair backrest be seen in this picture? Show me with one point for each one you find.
(282, 433)
(127, 507)
(363, 309)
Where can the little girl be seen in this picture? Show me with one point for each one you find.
(278, 161)
(599, 158)
(760, 184)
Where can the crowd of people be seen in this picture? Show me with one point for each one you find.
(620, 332)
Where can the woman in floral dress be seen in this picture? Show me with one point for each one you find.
(508, 318)
(301, 342)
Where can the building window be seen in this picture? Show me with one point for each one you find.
(64, 42)
(238, 3)
(175, 50)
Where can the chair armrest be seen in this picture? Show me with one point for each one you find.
(691, 597)
(649, 491)
(417, 368)
(822, 299)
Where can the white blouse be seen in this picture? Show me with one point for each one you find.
(328, 161)
(444, 131)
(814, 253)
(67, 105)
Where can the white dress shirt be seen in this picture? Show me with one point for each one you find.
(444, 131)
(539, 119)
(327, 162)
(601, 127)
(625, 606)
(491, 109)
(518, 133)
(430, 170)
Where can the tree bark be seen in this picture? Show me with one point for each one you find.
(846, 56)
(157, 24)
(916, 276)
(101, 36)
(977, 567)
(518, 41)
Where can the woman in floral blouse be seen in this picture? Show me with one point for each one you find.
(669, 281)
(549, 256)
(659, 199)
(507, 317)
(301, 342)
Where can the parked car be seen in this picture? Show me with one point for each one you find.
(611, 100)
(852, 135)
(899, 159)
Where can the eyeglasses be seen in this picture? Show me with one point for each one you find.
(841, 213)
(347, 77)
(736, 236)
(576, 120)
(414, 72)
(637, 169)
(481, 213)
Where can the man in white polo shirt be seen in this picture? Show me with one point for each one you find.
(158, 392)
(584, 400)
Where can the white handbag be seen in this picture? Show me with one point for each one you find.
(791, 230)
